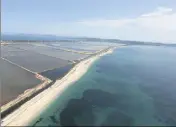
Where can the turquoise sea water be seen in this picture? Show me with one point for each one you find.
(132, 86)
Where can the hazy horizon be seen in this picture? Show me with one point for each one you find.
(72, 37)
(149, 21)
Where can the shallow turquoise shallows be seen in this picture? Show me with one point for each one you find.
(134, 85)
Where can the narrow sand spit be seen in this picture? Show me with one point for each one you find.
(31, 109)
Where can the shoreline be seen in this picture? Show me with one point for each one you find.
(32, 108)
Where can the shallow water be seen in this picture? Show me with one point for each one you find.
(57, 73)
(51, 51)
(14, 81)
(80, 46)
(31, 60)
(133, 86)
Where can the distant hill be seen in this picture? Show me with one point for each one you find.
(33, 37)
(38, 37)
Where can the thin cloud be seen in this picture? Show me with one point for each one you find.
(161, 18)
(161, 23)
(159, 12)
(107, 23)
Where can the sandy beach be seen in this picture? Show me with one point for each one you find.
(31, 109)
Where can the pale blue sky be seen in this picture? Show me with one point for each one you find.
(123, 19)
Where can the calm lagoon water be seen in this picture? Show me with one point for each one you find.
(51, 51)
(57, 73)
(31, 60)
(133, 86)
(14, 81)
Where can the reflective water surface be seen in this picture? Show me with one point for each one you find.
(133, 86)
